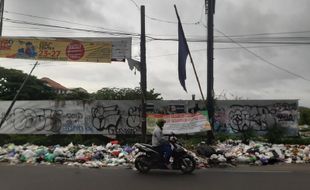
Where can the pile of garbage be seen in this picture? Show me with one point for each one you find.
(233, 153)
(228, 153)
(112, 154)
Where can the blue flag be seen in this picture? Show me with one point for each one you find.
(183, 53)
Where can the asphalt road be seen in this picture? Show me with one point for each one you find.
(280, 177)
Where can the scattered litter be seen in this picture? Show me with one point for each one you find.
(256, 153)
(223, 154)
(72, 155)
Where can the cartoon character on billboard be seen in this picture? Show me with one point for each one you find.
(28, 52)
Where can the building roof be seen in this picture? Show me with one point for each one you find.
(53, 84)
(79, 89)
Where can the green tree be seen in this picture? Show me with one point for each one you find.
(125, 94)
(275, 133)
(74, 94)
(34, 89)
(304, 116)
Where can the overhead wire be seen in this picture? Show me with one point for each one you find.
(150, 38)
(263, 59)
(266, 40)
(69, 28)
(163, 20)
(75, 23)
(63, 21)
(219, 48)
(268, 33)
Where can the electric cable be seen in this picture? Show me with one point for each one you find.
(263, 59)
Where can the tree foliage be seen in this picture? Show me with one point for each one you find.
(275, 133)
(34, 89)
(125, 94)
(304, 116)
(11, 80)
(75, 94)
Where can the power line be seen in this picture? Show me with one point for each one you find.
(221, 48)
(270, 46)
(262, 42)
(135, 4)
(263, 59)
(63, 21)
(153, 38)
(269, 33)
(22, 29)
(68, 28)
(162, 20)
(70, 22)
(171, 22)
(257, 40)
(174, 39)
(229, 41)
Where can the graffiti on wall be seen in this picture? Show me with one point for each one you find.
(123, 117)
(109, 119)
(237, 118)
(41, 119)
(101, 119)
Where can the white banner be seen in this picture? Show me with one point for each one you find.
(183, 123)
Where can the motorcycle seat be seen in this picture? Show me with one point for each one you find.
(154, 148)
(149, 146)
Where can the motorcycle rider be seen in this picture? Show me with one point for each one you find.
(161, 144)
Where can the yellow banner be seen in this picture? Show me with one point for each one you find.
(56, 50)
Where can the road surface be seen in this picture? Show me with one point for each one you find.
(57, 177)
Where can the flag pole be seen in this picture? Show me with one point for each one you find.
(190, 55)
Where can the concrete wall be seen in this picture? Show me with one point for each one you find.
(122, 117)
(237, 116)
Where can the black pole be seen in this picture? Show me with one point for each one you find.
(1, 12)
(210, 80)
(143, 74)
(16, 95)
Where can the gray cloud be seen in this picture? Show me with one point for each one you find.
(236, 71)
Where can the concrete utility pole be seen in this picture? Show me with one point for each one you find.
(143, 74)
(1, 14)
(210, 10)
(17, 94)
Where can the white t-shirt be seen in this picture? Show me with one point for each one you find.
(157, 136)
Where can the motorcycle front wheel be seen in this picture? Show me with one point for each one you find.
(142, 164)
(187, 164)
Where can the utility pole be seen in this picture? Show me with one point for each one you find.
(17, 94)
(210, 10)
(1, 14)
(143, 74)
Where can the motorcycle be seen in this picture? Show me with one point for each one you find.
(148, 158)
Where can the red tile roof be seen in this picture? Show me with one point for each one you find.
(53, 84)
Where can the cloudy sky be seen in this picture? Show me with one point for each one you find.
(278, 68)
